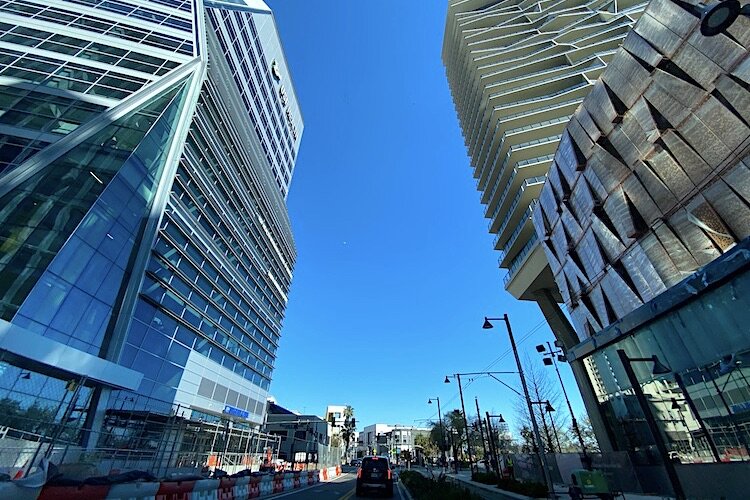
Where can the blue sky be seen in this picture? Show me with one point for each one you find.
(395, 268)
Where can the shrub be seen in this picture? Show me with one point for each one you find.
(531, 489)
(423, 488)
(484, 477)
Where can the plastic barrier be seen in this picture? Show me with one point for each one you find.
(288, 483)
(92, 492)
(205, 489)
(254, 487)
(241, 489)
(226, 488)
(175, 490)
(133, 491)
(278, 483)
(266, 485)
(10, 490)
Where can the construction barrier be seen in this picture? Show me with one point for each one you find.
(278, 483)
(254, 489)
(227, 488)
(93, 492)
(176, 490)
(240, 490)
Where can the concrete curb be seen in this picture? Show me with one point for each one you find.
(404, 491)
(486, 490)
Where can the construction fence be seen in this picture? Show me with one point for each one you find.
(135, 439)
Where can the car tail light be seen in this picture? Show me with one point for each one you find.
(359, 473)
(389, 474)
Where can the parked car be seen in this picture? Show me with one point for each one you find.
(355, 462)
(375, 474)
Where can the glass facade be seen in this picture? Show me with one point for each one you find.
(703, 402)
(145, 248)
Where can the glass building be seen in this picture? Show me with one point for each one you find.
(517, 70)
(146, 151)
(645, 222)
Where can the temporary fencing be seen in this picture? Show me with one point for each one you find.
(132, 438)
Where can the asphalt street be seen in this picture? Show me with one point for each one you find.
(341, 488)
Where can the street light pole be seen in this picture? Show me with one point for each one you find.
(698, 418)
(650, 419)
(535, 427)
(494, 441)
(481, 433)
(442, 431)
(573, 421)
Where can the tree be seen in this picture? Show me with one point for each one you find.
(336, 441)
(437, 436)
(405, 456)
(587, 433)
(553, 426)
(429, 447)
(348, 430)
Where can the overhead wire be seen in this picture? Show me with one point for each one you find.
(505, 354)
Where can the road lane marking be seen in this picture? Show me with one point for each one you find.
(348, 495)
(309, 488)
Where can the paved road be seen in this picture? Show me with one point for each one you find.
(342, 488)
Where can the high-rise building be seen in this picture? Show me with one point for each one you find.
(645, 221)
(146, 150)
(517, 70)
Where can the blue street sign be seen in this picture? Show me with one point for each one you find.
(237, 412)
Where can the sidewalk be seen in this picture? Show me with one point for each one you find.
(488, 491)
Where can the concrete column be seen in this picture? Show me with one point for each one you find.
(567, 336)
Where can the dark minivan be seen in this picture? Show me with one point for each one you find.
(375, 474)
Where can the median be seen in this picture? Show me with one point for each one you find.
(423, 488)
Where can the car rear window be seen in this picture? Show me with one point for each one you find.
(369, 464)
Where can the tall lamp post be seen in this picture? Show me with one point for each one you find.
(659, 369)
(481, 433)
(457, 376)
(442, 431)
(554, 356)
(540, 448)
(549, 409)
(494, 441)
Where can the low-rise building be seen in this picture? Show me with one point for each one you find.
(300, 434)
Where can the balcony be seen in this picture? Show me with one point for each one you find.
(519, 259)
(524, 230)
(524, 193)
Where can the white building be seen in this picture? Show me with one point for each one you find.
(387, 439)
(335, 415)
